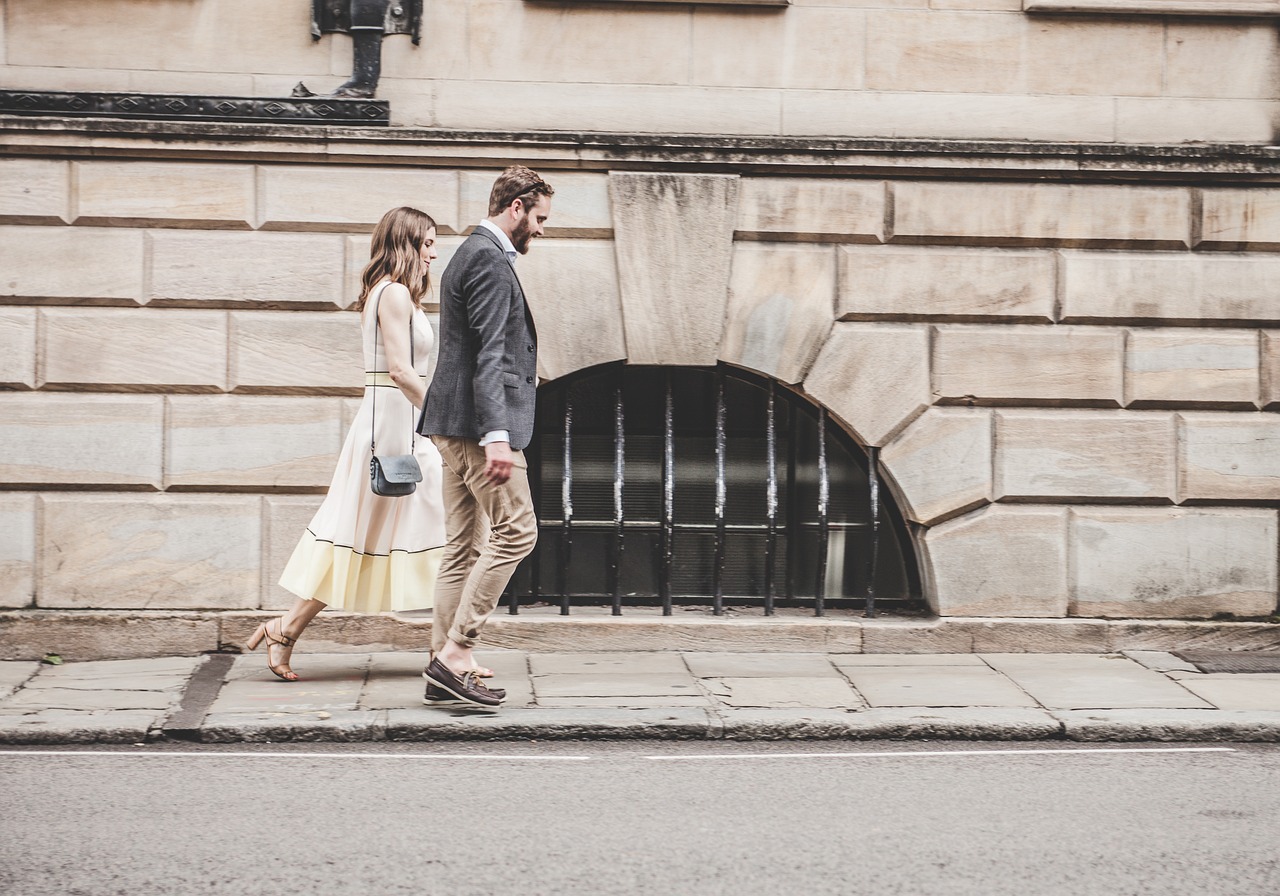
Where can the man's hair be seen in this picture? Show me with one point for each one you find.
(517, 182)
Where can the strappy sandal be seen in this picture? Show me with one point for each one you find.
(281, 640)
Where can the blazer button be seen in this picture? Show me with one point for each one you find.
(530, 348)
(528, 379)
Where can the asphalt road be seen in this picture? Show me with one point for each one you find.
(662, 818)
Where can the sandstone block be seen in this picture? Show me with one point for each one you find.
(811, 46)
(150, 552)
(164, 194)
(950, 52)
(1057, 365)
(1191, 367)
(1172, 562)
(874, 377)
(34, 191)
(61, 439)
(17, 549)
(1176, 120)
(780, 308)
(1192, 288)
(940, 115)
(572, 288)
(17, 348)
(245, 441)
(959, 284)
(1229, 457)
(345, 198)
(1196, 47)
(1094, 57)
(286, 517)
(302, 270)
(358, 253)
(674, 310)
(296, 351)
(810, 209)
(1271, 369)
(941, 464)
(107, 270)
(163, 350)
(580, 208)
(1002, 561)
(1240, 219)
(1041, 215)
(1070, 455)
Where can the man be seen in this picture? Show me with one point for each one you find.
(479, 414)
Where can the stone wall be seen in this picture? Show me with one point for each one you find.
(1075, 385)
(875, 68)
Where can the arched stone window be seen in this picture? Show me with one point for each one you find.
(662, 486)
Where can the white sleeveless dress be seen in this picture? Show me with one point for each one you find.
(364, 553)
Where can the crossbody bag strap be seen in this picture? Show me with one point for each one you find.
(373, 414)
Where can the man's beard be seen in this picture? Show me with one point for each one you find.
(522, 234)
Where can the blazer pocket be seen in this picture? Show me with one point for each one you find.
(510, 380)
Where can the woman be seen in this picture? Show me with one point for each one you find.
(362, 552)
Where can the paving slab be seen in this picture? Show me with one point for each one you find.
(621, 702)
(101, 700)
(1170, 725)
(939, 686)
(846, 660)
(753, 724)
(617, 685)
(567, 723)
(276, 727)
(14, 674)
(330, 691)
(172, 667)
(828, 692)
(311, 668)
(1159, 661)
(966, 723)
(607, 663)
(759, 665)
(1236, 691)
(395, 682)
(1076, 681)
(55, 726)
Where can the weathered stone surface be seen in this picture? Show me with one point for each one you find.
(1271, 369)
(1042, 215)
(56, 726)
(811, 46)
(17, 550)
(950, 52)
(597, 664)
(316, 726)
(618, 684)
(959, 284)
(1001, 561)
(1240, 219)
(825, 692)
(837, 211)
(165, 194)
(302, 270)
(242, 441)
(1095, 57)
(1180, 634)
(1166, 367)
(1048, 365)
(14, 675)
(63, 439)
(1192, 288)
(874, 376)
(108, 264)
(580, 207)
(1196, 47)
(1073, 681)
(780, 308)
(17, 348)
(754, 665)
(101, 551)
(1174, 119)
(1235, 692)
(674, 237)
(34, 191)
(552, 723)
(295, 351)
(143, 348)
(936, 686)
(1229, 457)
(345, 199)
(1148, 725)
(88, 635)
(1173, 562)
(1104, 455)
(941, 464)
(572, 289)
(286, 517)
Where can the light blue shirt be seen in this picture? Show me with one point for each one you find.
(499, 435)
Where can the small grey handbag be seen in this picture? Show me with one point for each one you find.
(391, 475)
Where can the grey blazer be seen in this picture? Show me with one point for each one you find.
(487, 371)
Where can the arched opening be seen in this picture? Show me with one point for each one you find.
(663, 486)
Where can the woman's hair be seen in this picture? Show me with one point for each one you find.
(395, 252)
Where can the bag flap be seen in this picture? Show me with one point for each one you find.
(400, 468)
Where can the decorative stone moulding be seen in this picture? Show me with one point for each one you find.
(1157, 7)
(319, 110)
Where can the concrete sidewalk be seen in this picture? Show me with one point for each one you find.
(221, 698)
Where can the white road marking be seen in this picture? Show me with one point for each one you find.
(162, 754)
(915, 753)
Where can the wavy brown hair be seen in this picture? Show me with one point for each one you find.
(395, 252)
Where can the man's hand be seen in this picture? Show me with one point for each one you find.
(497, 468)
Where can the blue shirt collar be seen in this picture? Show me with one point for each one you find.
(503, 239)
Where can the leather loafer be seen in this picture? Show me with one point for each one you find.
(466, 687)
(437, 696)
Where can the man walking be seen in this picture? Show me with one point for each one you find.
(479, 413)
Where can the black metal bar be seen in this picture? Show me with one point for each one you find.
(771, 502)
(824, 535)
(793, 503)
(668, 496)
(619, 474)
(717, 596)
(873, 479)
(533, 456)
(566, 505)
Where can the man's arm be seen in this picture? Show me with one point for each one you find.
(489, 297)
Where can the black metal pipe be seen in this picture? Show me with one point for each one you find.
(717, 595)
(824, 534)
(619, 476)
(566, 505)
(771, 502)
(793, 504)
(873, 479)
(668, 496)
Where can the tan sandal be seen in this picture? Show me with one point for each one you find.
(279, 639)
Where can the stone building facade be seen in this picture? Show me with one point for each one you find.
(1027, 249)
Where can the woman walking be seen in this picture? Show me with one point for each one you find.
(362, 552)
